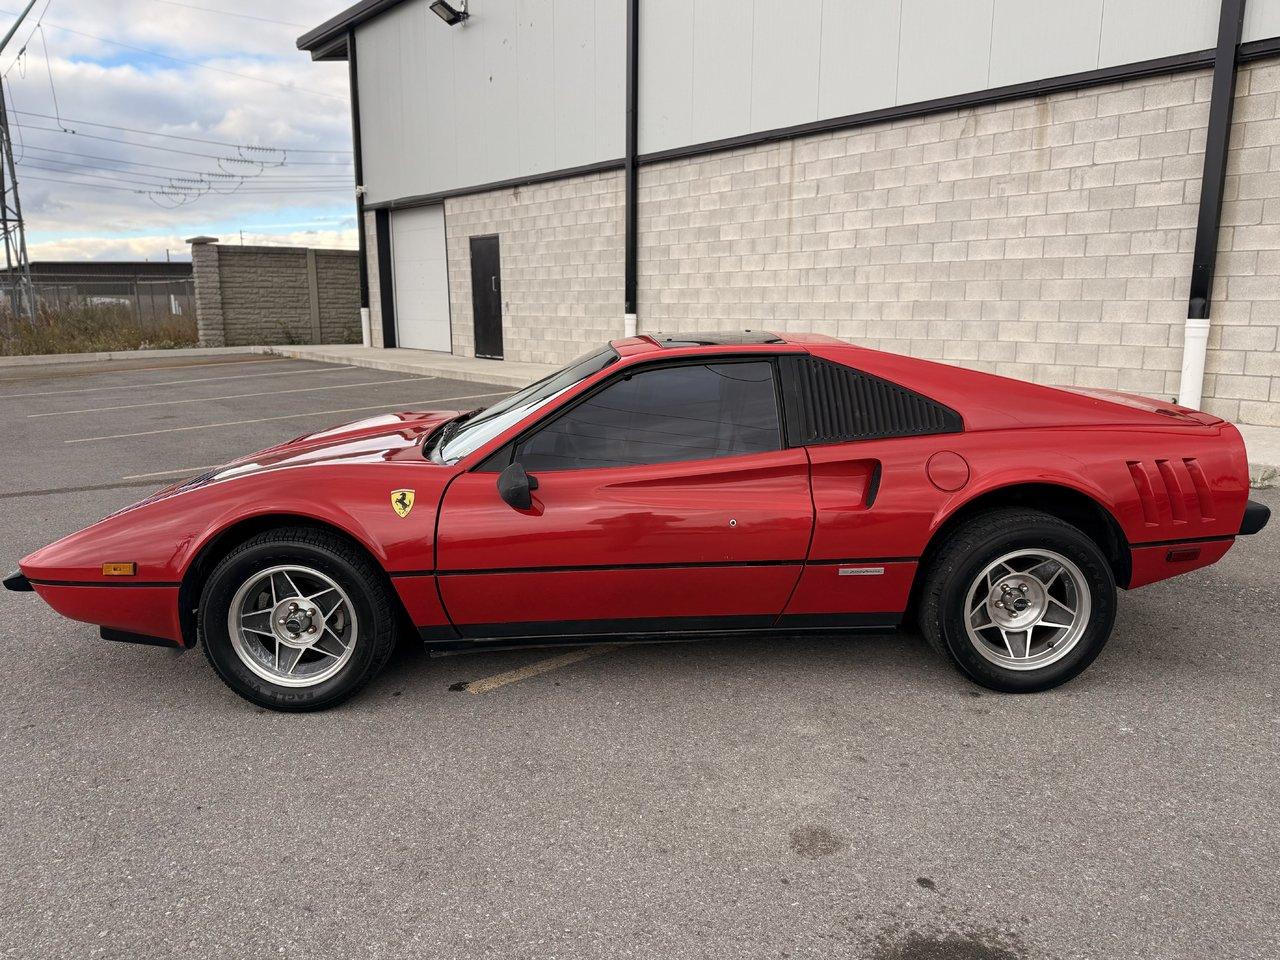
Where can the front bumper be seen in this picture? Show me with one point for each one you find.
(1255, 518)
(18, 583)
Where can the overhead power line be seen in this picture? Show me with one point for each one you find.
(231, 13)
(171, 169)
(190, 63)
(254, 190)
(177, 136)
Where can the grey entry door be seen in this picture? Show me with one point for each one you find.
(486, 296)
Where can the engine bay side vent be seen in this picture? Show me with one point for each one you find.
(1172, 491)
(1204, 495)
(1146, 493)
(830, 403)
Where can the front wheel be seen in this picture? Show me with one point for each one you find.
(1019, 600)
(296, 619)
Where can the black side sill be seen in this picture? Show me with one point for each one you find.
(1256, 516)
(18, 583)
(122, 636)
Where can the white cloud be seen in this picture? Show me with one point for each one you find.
(108, 205)
(173, 246)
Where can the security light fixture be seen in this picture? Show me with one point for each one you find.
(449, 13)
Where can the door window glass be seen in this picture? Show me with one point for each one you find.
(687, 412)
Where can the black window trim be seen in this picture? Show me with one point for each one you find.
(502, 457)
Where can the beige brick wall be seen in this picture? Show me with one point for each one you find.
(1049, 239)
(1243, 366)
(561, 255)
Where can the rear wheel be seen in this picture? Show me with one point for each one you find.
(296, 619)
(1019, 600)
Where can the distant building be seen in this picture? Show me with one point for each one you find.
(1013, 185)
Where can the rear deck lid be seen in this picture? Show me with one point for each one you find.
(1173, 411)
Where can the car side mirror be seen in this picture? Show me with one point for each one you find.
(516, 487)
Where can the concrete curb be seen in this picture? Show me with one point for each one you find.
(50, 359)
(465, 369)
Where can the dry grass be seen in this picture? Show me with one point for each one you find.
(90, 329)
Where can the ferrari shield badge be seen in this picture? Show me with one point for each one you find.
(402, 501)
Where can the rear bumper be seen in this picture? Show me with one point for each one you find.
(1255, 518)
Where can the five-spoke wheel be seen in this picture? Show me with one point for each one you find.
(1018, 599)
(296, 619)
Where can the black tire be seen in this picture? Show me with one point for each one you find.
(337, 560)
(967, 552)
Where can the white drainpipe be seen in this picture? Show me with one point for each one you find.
(629, 325)
(366, 332)
(1195, 345)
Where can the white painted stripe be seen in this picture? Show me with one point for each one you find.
(161, 366)
(233, 396)
(537, 668)
(181, 471)
(288, 416)
(172, 383)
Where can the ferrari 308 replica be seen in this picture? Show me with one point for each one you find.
(673, 487)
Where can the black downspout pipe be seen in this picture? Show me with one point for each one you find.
(1195, 336)
(1221, 101)
(629, 164)
(354, 79)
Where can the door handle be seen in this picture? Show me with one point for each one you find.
(493, 284)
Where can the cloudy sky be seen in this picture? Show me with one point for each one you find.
(132, 132)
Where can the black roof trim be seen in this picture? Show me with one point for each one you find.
(737, 338)
(329, 40)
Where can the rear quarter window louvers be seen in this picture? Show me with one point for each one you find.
(830, 403)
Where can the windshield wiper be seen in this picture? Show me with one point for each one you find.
(446, 432)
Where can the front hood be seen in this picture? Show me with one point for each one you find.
(391, 436)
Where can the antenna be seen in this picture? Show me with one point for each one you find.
(21, 294)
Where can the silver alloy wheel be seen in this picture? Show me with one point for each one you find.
(293, 626)
(1027, 609)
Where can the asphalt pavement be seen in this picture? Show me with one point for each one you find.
(807, 797)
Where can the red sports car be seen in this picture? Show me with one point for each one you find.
(675, 487)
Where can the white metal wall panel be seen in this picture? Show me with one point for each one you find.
(720, 103)
(1261, 19)
(421, 275)
(945, 48)
(523, 87)
(666, 74)
(535, 41)
(859, 56)
(784, 56)
(531, 86)
(1033, 39)
(1134, 30)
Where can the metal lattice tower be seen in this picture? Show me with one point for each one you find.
(19, 292)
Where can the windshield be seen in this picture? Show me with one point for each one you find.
(461, 437)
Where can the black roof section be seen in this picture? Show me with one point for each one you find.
(329, 40)
(734, 338)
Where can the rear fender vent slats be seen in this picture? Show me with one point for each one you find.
(1172, 491)
(830, 403)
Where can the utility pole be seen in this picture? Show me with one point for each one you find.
(18, 274)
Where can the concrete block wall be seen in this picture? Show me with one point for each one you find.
(561, 250)
(275, 295)
(1048, 239)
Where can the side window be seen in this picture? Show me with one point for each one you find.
(687, 412)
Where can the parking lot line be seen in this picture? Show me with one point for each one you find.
(287, 416)
(162, 366)
(232, 396)
(172, 383)
(181, 471)
(533, 669)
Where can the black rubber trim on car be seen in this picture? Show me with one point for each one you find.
(1255, 518)
(102, 583)
(123, 636)
(828, 402)
(18, 582)
(1178, 543)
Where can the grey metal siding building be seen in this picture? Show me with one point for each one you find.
(1015, 185)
